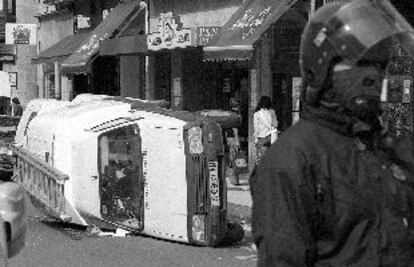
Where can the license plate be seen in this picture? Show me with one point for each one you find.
(214, 183)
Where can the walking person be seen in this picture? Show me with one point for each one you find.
(336, 189)
(265, 125)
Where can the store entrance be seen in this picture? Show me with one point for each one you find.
(162, 81)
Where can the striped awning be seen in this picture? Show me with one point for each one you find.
(79, 61)
(244, 28)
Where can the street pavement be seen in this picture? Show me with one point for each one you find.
(49, 243)
(239, 194)
(53, 244)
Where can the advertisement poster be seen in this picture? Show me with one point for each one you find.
(13, 79)
(21, 33)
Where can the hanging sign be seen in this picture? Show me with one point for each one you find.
(170, 34)
(21, 33)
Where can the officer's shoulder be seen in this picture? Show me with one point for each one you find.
(298, 134)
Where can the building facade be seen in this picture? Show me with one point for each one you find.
(198, 56)
(70, 32)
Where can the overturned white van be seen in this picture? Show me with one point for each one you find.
(116, 164)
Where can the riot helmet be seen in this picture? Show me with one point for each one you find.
(347, 35)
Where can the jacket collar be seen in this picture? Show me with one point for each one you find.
(338, 122)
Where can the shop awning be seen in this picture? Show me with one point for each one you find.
(229, 54)
(79, 61)
(128, 45)
(244, 28)
(60, 50)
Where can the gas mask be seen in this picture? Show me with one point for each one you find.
(355, 90)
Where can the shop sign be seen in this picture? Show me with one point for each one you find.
(82, 22)
(21, 33)
(206, 34)
(170, 34)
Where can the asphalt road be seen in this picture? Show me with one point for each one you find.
(52, 244)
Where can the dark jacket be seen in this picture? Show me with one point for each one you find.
(321, 197)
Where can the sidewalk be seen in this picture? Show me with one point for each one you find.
(239, 201)
(239, 194)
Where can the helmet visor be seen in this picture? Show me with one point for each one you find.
(360, 25)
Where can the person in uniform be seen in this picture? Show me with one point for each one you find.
(336, 189)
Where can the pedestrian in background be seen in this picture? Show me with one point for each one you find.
(337, 189)
(265, 124)
(15, 108)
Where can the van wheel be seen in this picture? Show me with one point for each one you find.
(234, 234)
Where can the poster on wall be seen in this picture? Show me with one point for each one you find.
(13, 79)
(21, 33)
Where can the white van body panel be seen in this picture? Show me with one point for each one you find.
(38, 106)
(164, 156)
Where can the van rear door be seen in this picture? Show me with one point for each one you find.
(121, 177)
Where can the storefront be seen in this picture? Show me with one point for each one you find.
(73, 65)
(267, 34)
